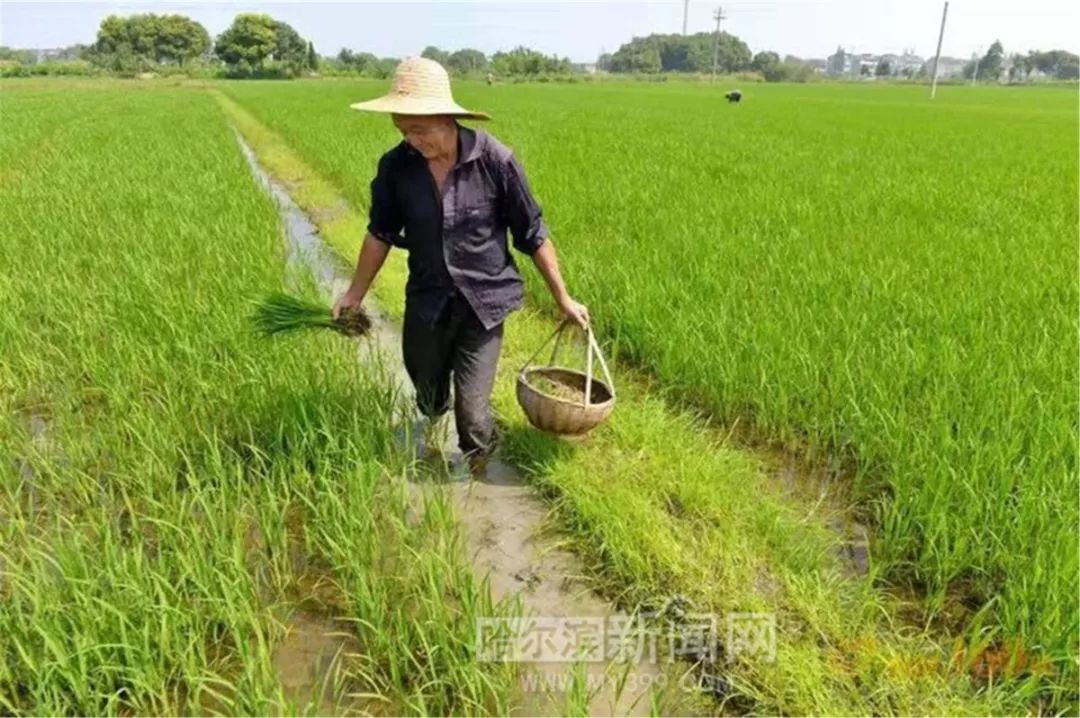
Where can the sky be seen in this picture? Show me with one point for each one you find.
(582, 30)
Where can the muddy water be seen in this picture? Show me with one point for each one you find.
(309, 659)
(821, 488)
(503, 522)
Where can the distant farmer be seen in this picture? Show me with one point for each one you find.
(490, 78)
(733, 96)
(447, 194)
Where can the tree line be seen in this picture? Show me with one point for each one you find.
(252, 44)
(700, 53)
(257, 45)
(468, 61)
(995, 66)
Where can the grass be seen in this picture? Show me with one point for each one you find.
(674, 508)
(179, 497)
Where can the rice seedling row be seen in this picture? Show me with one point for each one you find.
(181, 499)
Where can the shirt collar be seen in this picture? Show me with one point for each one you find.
(470, 144)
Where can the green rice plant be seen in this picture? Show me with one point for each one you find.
(279, 312)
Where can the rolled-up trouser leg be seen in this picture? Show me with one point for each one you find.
(426, 350)
(475, 357)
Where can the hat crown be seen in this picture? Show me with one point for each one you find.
(422, 78)
(419, 87)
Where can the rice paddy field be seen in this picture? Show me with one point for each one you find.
(875, 293)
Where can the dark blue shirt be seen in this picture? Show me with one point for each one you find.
(457, 241)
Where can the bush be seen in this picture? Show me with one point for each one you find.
(749, 77)
(790, 72)
(69, 68)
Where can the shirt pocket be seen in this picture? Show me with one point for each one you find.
(478, 230)
(478, 210)
(478, 219)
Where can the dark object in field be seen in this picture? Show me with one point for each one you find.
(733, 96)
(280, 312)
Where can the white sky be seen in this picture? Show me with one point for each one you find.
(581, 30)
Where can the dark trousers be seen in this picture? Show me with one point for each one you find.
(457, 347)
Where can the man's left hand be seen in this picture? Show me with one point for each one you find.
(575, 311)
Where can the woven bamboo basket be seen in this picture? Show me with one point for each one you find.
(561, 415)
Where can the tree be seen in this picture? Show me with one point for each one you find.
(1059, 64)
(466, 61)
(991, 63)
(289, 48)
(312, 58)
(382, 68)
(433, 53)
(681, 53)
(603, 63)
(650, 60)
(180, 39)
(790, 71)
(883, 69)
(764, 61)
(141, 40)
(525, 61)
(1017, 68)
(23, 57)
(362, 62)
(247, 43)
(734, 54)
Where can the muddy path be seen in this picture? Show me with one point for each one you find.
(507, 535)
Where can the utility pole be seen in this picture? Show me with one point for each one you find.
(977, 58)
(937, 56)
(685, 13)
(718, 16)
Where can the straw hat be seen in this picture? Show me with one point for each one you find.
(420, 87)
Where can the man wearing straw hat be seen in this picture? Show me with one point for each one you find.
(447, 194)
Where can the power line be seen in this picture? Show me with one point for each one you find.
(718, 16)
(937, 56)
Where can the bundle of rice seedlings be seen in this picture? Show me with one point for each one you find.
(280, 312)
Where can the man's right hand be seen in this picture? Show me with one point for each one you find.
(344, 302)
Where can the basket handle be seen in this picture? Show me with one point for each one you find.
(557, 335)
(593, 348)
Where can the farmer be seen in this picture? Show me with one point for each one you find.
(447, 194)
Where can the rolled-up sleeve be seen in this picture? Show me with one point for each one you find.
(385, 218)
(524, 216)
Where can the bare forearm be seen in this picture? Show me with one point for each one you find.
(547, 262)
(373, 253)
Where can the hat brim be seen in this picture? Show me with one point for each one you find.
(402, 105)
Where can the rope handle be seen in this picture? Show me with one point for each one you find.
(593, 348)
